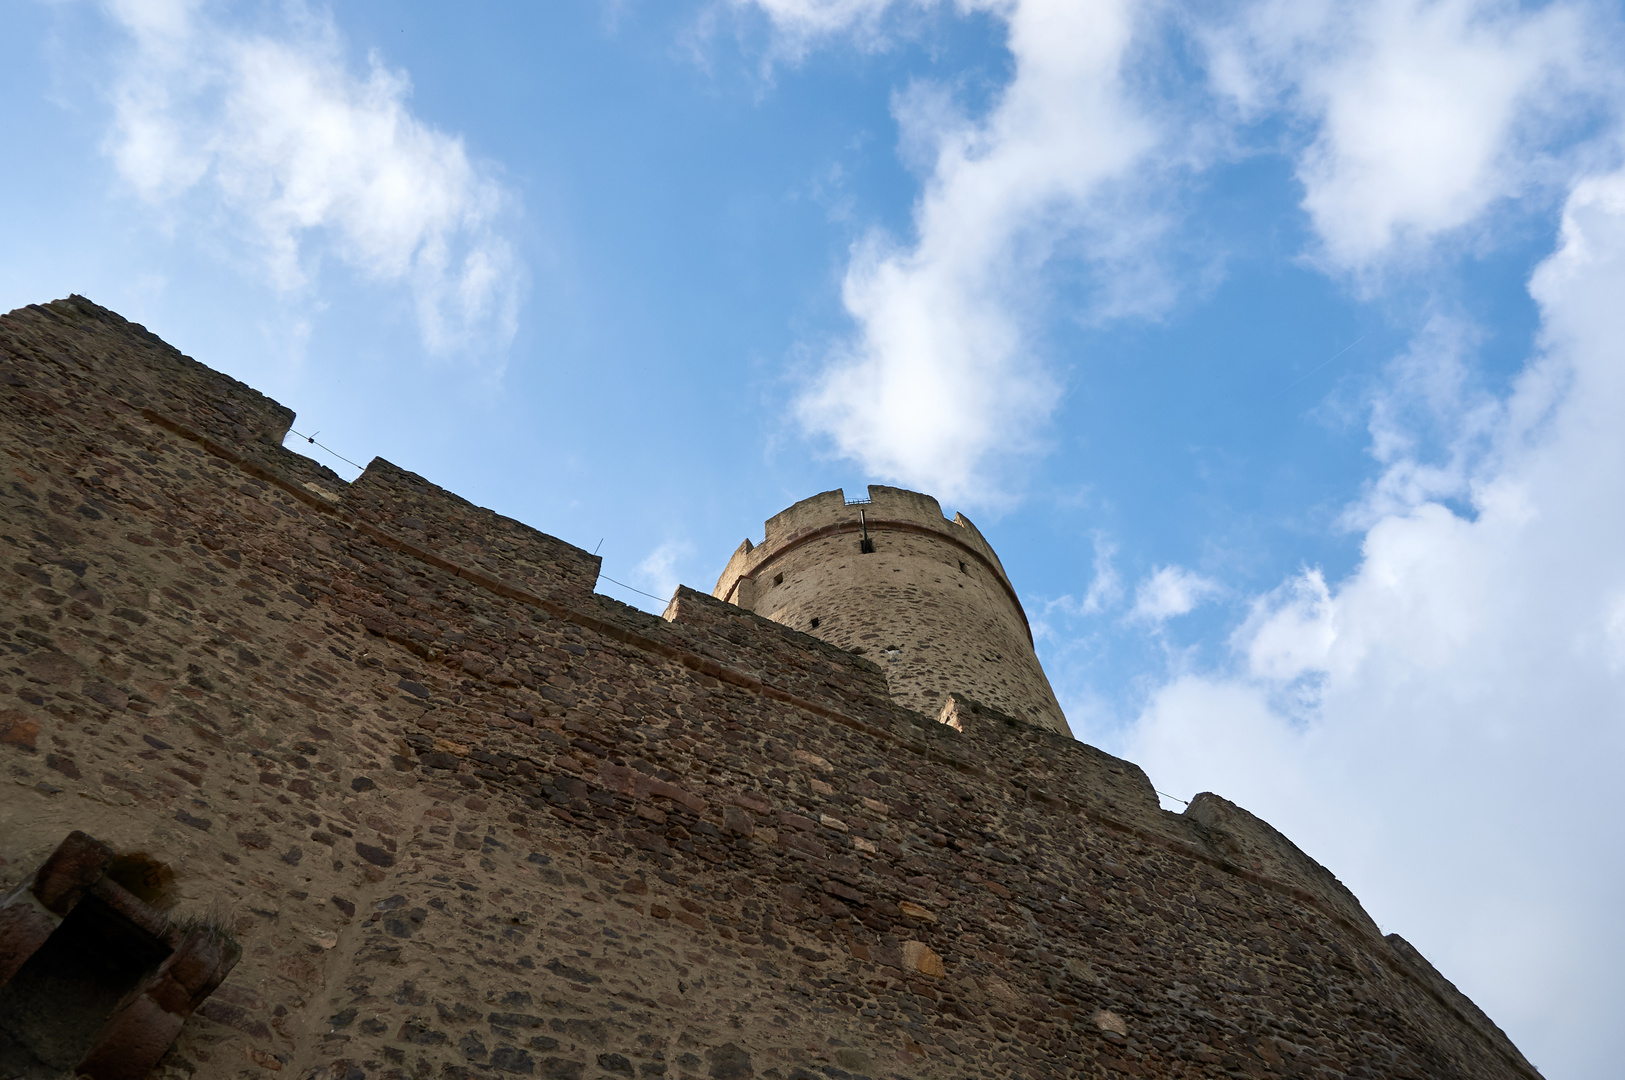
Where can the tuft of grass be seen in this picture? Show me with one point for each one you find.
(215, 922)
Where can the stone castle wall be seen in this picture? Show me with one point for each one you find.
(930, 602)
(468, 818)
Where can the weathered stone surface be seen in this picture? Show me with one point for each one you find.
(918, 956)
(915, 911)
(595, 839)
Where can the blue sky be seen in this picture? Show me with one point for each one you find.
(1275, 346)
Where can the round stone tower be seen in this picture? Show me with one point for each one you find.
(890, 578)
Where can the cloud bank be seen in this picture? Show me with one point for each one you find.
(1471, 674)
(269, 132)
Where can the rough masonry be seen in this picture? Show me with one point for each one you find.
(464, 817)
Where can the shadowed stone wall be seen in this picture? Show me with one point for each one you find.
(468, 818)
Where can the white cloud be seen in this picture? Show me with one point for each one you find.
(1458, 762)
(799, 22)
(1105, 592)
(1292, 630)
(942, 380)
(1106, 587)
(1426, 111)
(659, 569)
(1170, 591)
(1432, 426)
(271, 130)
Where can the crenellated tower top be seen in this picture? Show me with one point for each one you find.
(891, 578)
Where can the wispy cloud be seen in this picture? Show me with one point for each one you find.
(943, 380)
(269, 130)
(1106, 587)
(1431, 425)
(1171, 591)
(800, 22)
(1104, 593)
(658, 571)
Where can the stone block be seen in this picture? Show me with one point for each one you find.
(76, 864)
(132, 1042)
(918, 956)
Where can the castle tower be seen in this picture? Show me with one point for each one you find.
(890, 578)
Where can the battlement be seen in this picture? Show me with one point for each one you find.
(429, 515)
(891, 575)
(84, 343)
(471, 817)
(831, 512)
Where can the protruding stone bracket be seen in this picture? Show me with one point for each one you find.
(94, 981)
(35, 908)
